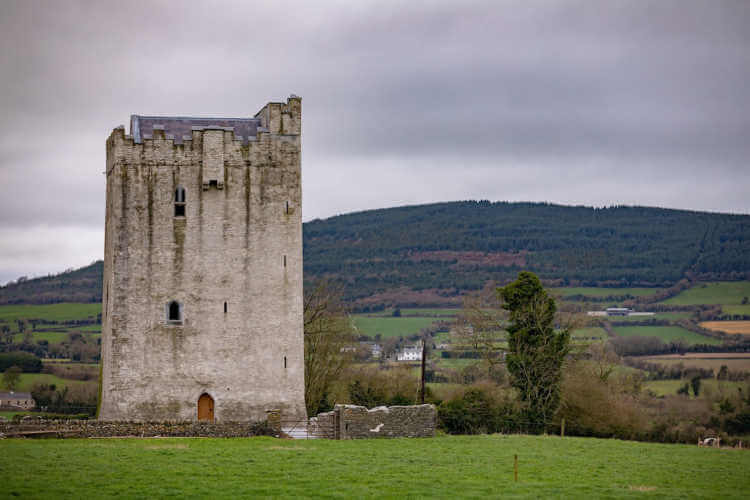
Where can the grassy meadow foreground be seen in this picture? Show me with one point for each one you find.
(444, 466)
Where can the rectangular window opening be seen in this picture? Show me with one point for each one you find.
(287, 208)
(285, 261)
(225, 307)
(284, 361)
(179, 210)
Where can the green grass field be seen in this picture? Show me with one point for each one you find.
(668, 316)
(670, 387)
(603, 292)
(591, 331)
(29, 379)
(722, 292)
(446, 467)
(714, 363)
(64, 311)
(435, 313)
(741, 309)
(390, 326)
(665, 333)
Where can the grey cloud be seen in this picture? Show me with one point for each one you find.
(569, 101)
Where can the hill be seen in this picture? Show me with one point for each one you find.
(428, 254)
(79, 285)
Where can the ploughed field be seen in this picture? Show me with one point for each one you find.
(447, 467)
(731, 327)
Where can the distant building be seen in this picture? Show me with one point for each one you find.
(618, 311)
(410, 353)
(22, 400)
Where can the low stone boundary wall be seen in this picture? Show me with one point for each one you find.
(357, 422)
(97, 429)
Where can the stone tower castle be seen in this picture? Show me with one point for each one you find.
(202, 300)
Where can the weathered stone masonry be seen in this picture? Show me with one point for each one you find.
(357, 422)
(232, 266)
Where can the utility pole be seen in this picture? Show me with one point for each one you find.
(424, 359)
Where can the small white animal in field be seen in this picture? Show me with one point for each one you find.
(709, 442)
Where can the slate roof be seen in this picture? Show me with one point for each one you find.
(179, 126)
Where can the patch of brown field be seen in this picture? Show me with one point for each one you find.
(430, 297)
(468, 258)
(730, 327)
(641, 488)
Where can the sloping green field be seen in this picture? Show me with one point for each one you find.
(722, 292)
(446, 467)
(666, 334)
(390, 326)
(64, 311)
(602, 292)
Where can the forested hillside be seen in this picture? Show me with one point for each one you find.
(440, 249)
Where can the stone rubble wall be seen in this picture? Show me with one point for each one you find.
(357, 422)
(100, 429)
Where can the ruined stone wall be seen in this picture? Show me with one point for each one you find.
(93, 428)
(357, 422)
(240, 243)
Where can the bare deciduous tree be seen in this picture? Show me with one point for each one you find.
(327, 330)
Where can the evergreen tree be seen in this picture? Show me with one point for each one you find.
(536, 350)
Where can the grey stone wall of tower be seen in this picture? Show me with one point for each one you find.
(231, 267)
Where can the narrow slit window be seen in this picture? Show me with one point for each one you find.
(179, 202)
(225, 307)
(285, 261)
(287, 208)
(284, 361)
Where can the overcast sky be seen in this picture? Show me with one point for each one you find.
(574, 102)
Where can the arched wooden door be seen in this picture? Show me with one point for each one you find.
(206, 408)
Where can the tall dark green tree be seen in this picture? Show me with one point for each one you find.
(536, 349)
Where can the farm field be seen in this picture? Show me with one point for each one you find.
(603, 292)
(390, 326)
(665, 333)
(731, 327)
(735, 309)
(670, 387)
(722, 292)
(437, 313)
(65, 311)
(590, 332)
(733, 361)
(668, 316)
(448, 467)
(29, 379)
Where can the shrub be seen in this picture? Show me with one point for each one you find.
(27, 362)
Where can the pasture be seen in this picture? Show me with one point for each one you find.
(65, 311)
(721, 292)
(602, 292)
(390, 326)
(734, 361)
(735, 309)
(731, 327)
(29, 379)
(666, 334)
(709, 385)
(446, 467)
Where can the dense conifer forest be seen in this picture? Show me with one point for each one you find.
(459, 246)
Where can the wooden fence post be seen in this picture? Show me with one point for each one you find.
(562, 428)
(515, 468)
